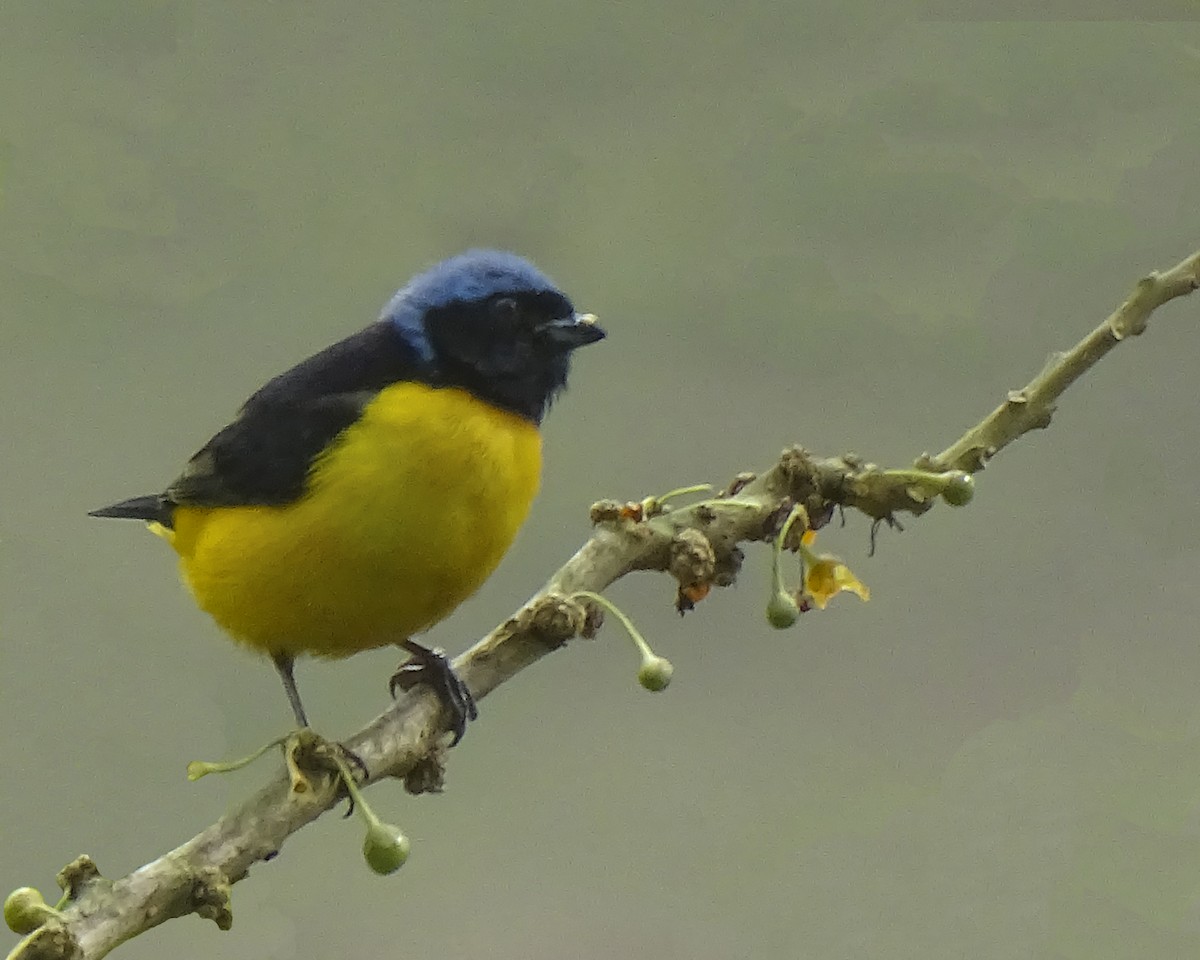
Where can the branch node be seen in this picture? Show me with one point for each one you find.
(211, 897)
(692, 559)
(77, 876)
(50, 942)
(427, 775)
(605, 511)
(553, 619)
(797, 471)
(974, 459)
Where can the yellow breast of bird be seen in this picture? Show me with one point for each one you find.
(405, 516)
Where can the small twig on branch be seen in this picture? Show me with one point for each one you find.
(697, 544)
(1032, 407)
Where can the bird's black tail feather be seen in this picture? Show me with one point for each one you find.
(151, 508)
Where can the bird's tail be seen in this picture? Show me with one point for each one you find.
(151, 509)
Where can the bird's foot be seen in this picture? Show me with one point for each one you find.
(432, 668)
(304, 752)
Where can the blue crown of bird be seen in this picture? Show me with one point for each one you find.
(362, 495)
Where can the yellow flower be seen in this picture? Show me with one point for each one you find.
(826, 576)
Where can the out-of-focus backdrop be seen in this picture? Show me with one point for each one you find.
(851, 225)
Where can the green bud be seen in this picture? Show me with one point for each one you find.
(25, 910)
(202, 768)
(959, 488)
(782, 609)
(385, 848)
(655, 673)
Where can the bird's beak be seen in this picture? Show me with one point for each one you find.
(570, 333)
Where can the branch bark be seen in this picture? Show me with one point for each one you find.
(697, 544)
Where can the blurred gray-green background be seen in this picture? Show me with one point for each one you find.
(852, 225)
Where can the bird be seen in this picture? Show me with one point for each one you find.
(359, 497)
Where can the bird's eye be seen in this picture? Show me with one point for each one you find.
(504, 309)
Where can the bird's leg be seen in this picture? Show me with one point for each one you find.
(433, 668)
(314, 748)
(284, 664)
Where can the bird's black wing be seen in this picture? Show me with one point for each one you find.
(265, 455)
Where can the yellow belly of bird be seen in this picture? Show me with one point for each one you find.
(405, 516)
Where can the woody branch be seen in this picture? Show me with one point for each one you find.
(698, 544)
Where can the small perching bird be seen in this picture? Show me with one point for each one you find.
(361, 496)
